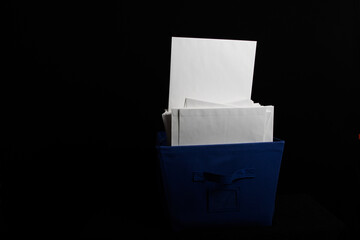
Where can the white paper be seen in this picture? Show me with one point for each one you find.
(195, 103)
(244, 103)
(213, 70)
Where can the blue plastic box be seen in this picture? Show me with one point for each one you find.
(220, 185)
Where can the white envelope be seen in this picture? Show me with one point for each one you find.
(221, 125)
(269, 124)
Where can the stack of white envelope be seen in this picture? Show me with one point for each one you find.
(209, 97)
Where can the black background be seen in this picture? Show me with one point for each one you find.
(84, 86)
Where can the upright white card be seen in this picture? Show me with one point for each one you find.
(213, 70)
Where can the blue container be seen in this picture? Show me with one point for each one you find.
(220, 185)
